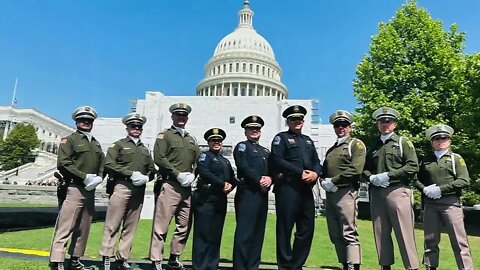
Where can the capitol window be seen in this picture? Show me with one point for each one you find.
(232, 119)
(237, 67)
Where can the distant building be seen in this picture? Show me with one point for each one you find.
(242, 78)
(49, 130)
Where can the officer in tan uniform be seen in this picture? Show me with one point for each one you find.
(130, 166)
(390, 166)
(442, 176)
(175, 153)
(80, 161)
(341, 172)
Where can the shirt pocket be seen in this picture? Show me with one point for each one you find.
(126, 156)
(80, 150)
(393, 158)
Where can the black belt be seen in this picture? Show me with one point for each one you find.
(343, 185)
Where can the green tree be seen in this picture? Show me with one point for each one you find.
(18, 146)
(416, 67)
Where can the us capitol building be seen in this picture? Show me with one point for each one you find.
(241, 78)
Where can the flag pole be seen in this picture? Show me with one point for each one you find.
(14, 92)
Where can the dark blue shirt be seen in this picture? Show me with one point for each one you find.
(215, 169)
(292, 153)
(252, 162)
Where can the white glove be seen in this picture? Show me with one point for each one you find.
(136, 176)
(328, 185)
(432, 192)
(374, 180)
(89, 179)
(139, 179)
(383, 177)
(185, 178)
(97, 180)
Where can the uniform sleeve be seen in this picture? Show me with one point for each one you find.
(203, 167)
(101, 169)
(462, 179)
(410, 167)
(369, 167)
(420, 177)
(233, 180)
(241, 161)
(160, 151)
(111, 164)
(151, 168)
(317, 167)
(278, 152)
(357, 163)
(65, 160)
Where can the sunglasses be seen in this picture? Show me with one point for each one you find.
(216, 141)
(85, 120)
(440, 138)
(385, 121)
(139, 127)
(295, 118)
(341, 125)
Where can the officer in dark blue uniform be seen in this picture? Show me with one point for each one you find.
(251, 198)
(296, 170)
(216, 180)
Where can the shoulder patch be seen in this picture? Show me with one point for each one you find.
(64, 141)
(360, 145)
(410, 144)
(276, 140)
(242, 147)
(461, 161)
(202, 157)
(160, 135)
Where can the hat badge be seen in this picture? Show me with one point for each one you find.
(254, 118)
(295, 108)
(439, 128)
(181, 105)
(385, 110)
(215, 131)
(87, 109)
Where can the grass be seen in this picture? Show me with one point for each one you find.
(322, 252)
(31, 205)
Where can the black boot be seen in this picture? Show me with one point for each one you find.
(123, 265)
(56, 266)
(106, 263)
(385, 267)
(75, 264)
(157, 265)
(351, 266)
(174, 263)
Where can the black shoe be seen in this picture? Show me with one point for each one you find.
(430, 268)
(157, 265)
(174, 263)
(123, 265)
(106, 263)
(385, 267)
(56, 266)
(77, 265)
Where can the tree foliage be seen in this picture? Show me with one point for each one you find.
(17, 147)
(418, 68)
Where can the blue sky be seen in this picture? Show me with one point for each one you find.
(69, 53)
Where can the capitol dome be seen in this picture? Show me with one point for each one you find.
(243, 64)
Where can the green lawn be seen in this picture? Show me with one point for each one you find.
(26, 205)
(322, 253)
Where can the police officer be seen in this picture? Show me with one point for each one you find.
(216, 180)
(251, 197)
(130, 166)
(442, 176)
(341, 172)
(175, 153)
(80, 161)
(390, 167)
(296, 170)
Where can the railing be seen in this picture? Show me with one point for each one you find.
(16, 170)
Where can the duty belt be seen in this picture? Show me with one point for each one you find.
(343, 185)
